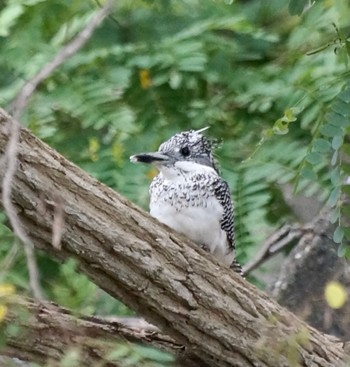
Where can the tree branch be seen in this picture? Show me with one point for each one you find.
(273, 245)
(47, 331)
(219, 317)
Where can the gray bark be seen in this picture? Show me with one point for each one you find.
(219, 317)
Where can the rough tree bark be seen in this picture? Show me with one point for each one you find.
(218, 316)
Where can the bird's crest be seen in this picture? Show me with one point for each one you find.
(193, 145)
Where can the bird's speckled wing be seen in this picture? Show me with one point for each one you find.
(222, 193)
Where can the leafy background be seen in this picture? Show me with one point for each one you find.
(270, 78)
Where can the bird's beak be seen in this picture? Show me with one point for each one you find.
(154, 157)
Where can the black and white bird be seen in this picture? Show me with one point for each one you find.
(189, 195)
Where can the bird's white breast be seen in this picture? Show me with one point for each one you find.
(189, 206)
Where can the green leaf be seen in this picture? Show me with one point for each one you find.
(341, 107)
(321, 145)
(336, 119)
(175, 80)
(296, 7)
(334, 215)
(280, 127)
(331, 130)
(337, 142)
(193, 63)
(345, 94)
(8, 18)
(338, 235)
(314, 158)
(334, 159)
(342, 250)
(289, 114)
(308, 174)
(334, 197)
(335, 176)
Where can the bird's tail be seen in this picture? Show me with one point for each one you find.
(236, 267)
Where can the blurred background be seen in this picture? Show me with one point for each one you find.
(270, 78)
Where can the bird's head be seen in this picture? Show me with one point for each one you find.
(188, 146)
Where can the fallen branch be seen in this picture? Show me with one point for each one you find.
(220, 318)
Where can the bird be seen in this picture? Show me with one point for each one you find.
(190, 196)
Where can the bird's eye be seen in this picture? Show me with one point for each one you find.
(185, 151)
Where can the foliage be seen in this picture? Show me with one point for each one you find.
(270, 78)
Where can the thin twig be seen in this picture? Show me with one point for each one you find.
(20, 102)
(11, 160)
(9, 259)
(10, 156)
(58, 222)
(275, 244)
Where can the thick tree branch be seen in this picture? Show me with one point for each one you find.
(218, 316)
(46, 331)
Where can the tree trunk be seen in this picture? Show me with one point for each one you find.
(312, 264)
(213, 312)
